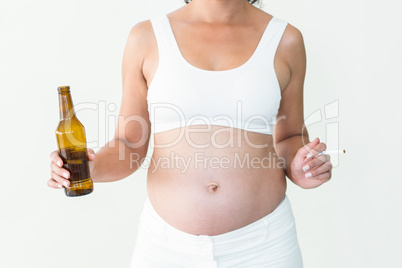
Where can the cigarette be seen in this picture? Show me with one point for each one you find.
(333, 152)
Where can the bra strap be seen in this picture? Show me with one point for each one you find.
(162, 38)
(274, 37)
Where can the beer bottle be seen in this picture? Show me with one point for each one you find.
(70, 134)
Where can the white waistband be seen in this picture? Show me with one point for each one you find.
(274, 220)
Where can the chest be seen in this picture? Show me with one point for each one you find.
(216, 57)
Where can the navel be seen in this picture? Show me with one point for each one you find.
(212, 187)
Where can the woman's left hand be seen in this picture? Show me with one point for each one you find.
(308, 169)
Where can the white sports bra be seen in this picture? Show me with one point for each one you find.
(246, 97)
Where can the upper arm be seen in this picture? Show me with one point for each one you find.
(133, 125)
(291, 114)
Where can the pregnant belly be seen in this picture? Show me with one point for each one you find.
(214, 192)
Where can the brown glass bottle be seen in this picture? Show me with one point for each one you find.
(71, 140)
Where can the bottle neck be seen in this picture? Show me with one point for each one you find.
(66, 106)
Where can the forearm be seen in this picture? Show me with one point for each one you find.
(287, 149)
(116, 160)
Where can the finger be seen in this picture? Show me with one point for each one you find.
(317, 161)
(60, 171)
(315, 173)
(56, 158)
(316, 150)
(91, 154)
(54, 184)
(324, 177)
(60, 179)
(309, 146)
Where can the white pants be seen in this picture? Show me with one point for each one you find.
(268, 242)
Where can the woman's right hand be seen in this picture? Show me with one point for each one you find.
(58, 175)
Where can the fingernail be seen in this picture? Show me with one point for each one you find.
(65, 174)
(59, 163)
(305, 168)
(65, 184)
(308, 175)
(309, 155)
(60, 186)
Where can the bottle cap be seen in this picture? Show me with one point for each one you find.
(63, 89)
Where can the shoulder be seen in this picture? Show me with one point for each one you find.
(141, 28)
(140, 40)
(141, 35)
(292, 37)
(292, 47)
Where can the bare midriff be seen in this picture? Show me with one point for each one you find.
(209, 180)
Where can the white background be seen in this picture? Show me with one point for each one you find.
(353, 58)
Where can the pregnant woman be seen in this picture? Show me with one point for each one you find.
(219, 84)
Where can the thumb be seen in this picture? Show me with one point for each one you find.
(91, 154)
(309, 146)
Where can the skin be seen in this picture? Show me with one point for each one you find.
(212, 35)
